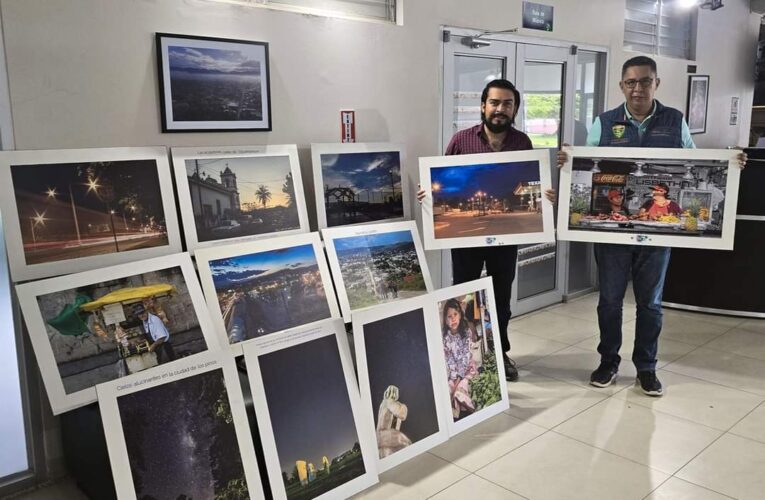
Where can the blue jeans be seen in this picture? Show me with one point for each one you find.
(647, 266)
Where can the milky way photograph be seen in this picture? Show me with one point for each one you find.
(181, 441)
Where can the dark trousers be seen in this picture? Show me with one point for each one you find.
(165, 352)
(467, 264)
(647, 266)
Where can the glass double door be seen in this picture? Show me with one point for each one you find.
(552, 96)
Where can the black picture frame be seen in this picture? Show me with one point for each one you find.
(189, 67)
(697, 103)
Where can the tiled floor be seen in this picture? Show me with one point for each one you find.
(562, 439)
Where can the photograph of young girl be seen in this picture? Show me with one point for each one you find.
(471, 364)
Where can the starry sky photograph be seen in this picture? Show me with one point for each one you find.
(495, 179)
(373, 240)
(177, 443)
(308, 402)
(251, 173)
(362, 171)
(397, 354)
(215, 61)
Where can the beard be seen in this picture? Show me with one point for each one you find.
(497, 128)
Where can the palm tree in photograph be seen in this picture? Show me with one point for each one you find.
(288, 188)
(263, 195)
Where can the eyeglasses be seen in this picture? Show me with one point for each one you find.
(644, 82)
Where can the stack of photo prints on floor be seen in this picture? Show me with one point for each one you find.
(118, 315)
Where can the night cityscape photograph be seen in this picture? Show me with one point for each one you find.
(181, 441)
(73, 210)
(210, 84)
(379, 268)
(315, 433)
(362, 187)
(400, 383)
(485, 200)
(245, 196)
(96, 334)
(270, 291)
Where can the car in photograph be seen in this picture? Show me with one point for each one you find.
(226, 226)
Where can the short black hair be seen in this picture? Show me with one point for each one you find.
(501, 84)
(639, 61)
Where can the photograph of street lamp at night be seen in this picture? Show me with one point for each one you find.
(486, 199)
(72, 210)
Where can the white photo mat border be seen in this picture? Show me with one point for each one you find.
(724, 242)
(20, 270)
(428, 227)
(331, 234)
(181, 155)
(204, 256)
(364, 426)
(113, 426)
(339, 148)
(27, 293)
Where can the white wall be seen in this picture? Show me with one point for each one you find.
(82, 73)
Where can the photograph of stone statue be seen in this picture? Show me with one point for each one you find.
(105, 329)
(311, 417)
(359, 183)
(471, 362)
(682, 198)
(400, 381)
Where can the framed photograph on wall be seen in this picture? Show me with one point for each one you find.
(698, 102)
(465, 316)
(486, 199)
(211, 84)
(102, 325)
(231, 194)
(180, 432)
(650, 196)
(401, 379)
(359, 183)
(318, 440)
(72, 210)
(264, 287)
(376, 264)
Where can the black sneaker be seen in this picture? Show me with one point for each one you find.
(511, 372)
(649, 383)
(605, 375)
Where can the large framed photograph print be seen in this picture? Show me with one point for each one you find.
(465, 316)
(103, 325)
(650, 196)
(213, 84)
(72, 210)
(317, 439)
(180, 432)
(239, 193)
(359, 183)
(264, 287)
(486, 199)
(376, 264)
(401, 379)
(698, 103)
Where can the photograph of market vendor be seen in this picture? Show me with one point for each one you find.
(616, 202)
(157, 334)
(660, 204)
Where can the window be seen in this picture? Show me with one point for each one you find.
(375, 10)
(660, 27)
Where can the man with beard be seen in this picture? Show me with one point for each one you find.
(499, 105)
